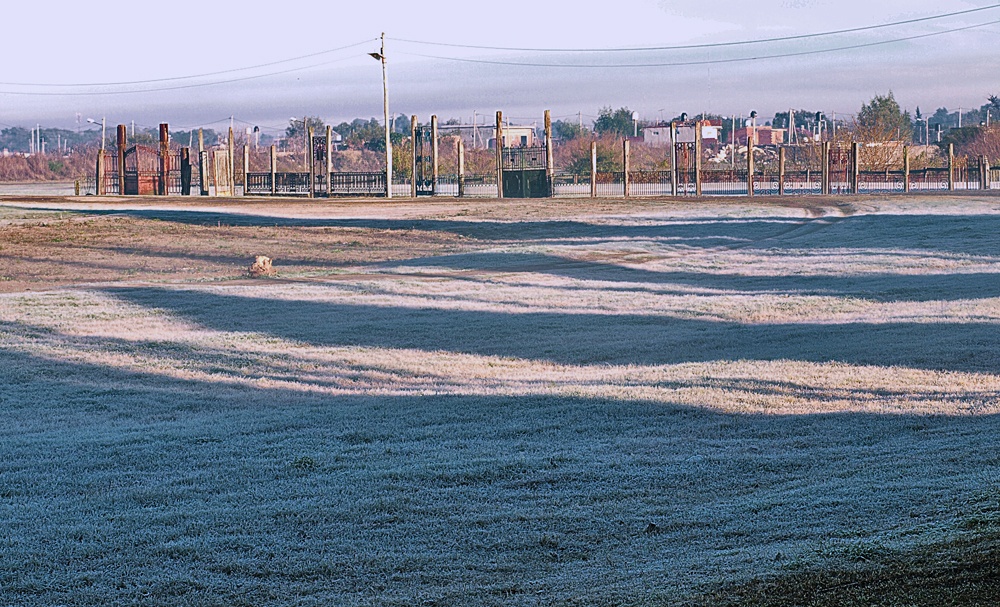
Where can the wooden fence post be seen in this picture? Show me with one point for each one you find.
(164, 158)
(203, 178)
(499, 154)
(122, 142)
(593, 169)
(697, 158)
(781, 171)
(185, 171)
(311, 162)
(985, 172)
(855, 167)
(329, 159)
(549, 156)
(625, 164)
(434, 154)
(246, 168)
(673, 159)
(231, 155)
(906, 169)
(825, 169)
(750, 167)
(461, 167)
(274, 170)
(951, 167)
(99, 177)
(413, 156)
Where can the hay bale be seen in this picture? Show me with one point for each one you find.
(261, 267)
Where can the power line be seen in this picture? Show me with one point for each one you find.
(191, 77)
(706, 61)
(701, 46)
(175, 88)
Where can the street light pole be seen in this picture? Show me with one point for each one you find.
(380, 56)
(103, 129)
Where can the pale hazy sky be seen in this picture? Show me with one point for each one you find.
(67, 43)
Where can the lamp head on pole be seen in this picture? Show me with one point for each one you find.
(377, 56)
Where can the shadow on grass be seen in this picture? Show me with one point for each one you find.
(147, 487)
(875, 287)
(957, 234)
(585, 338)
(963, 571)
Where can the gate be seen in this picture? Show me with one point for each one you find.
(841, 170)
(524, 172)
(423, 155)
(142, 171)
(222, 174)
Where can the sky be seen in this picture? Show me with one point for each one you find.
(69, 61)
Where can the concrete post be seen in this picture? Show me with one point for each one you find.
(593, 169)
(625, 164)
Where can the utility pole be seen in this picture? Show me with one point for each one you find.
(380, 56)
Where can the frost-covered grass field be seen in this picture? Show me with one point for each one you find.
(569, 403)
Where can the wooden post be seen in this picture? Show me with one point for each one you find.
(697, 158)
(549, 157)
(164, 158)
(202, 165)
(985, 172)
(781, 170)
(274, 170)
(311, 162)
(122, 142)
(461, 167)
(434, 154)
(593, 169)
(231, 153)
(951, 167)
(855, 167)
(906, 168)
(499, 154)
(246, 168)
(413, 157)
(750, 167)
(625, 165)
(673, 159)
(329, 159)
(185, 171)
(99, 177)
(825, 170)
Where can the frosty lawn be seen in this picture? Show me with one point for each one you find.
(608, 405)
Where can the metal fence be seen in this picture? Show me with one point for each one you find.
(357, 184)
(650, 183)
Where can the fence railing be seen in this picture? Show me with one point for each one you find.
(357, 184)
(773, 175)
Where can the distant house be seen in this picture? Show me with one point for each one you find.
(516, 137)
(477, 136)
(763, 135)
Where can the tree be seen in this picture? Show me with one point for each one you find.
(881, 127)
(295, 126)
(615, 122)
(609, 157)
(940, 117)
(881, 119)
(567, 131)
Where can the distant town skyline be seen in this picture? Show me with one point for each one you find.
(264, 67)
